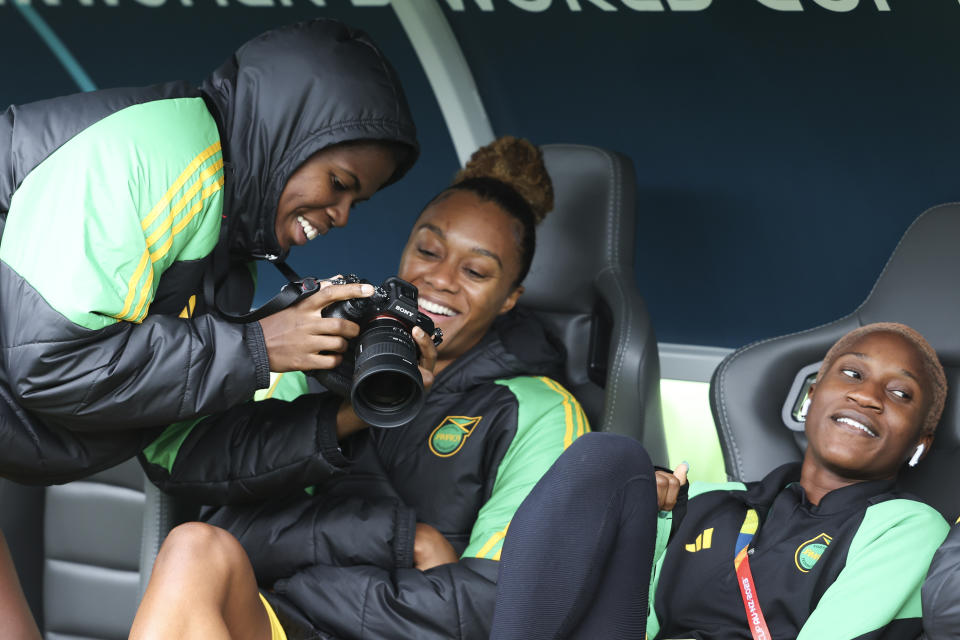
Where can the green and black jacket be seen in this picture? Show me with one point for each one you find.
(112, 207)
(339, 563)
(850, 567)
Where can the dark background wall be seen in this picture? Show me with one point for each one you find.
(779, 154)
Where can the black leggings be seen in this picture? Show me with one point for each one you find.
(576, 561)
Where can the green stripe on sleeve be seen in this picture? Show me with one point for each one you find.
(549, 420)
(118, 203)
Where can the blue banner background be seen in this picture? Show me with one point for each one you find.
(779, 155)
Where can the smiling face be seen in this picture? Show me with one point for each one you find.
(320, 193)
(867, 411)
(463, 257)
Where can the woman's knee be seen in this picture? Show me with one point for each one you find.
(600, 457)
(198, 544)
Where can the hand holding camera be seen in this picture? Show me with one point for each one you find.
(357, 340)
(299, 338)
(380, 372)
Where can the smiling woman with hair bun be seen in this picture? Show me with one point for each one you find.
(411, 539)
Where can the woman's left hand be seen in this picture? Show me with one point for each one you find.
(431, 549)
(428, 356)
(668, 486)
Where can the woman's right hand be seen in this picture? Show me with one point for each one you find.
(299, 338)
(669, 484)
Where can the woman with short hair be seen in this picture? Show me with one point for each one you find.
(824, 548)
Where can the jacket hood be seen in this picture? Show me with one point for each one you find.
(287, 94)
(516, 345)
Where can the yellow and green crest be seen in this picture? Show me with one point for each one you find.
(809, 552)
(450, 434)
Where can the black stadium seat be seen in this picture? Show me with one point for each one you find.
(581, 284)
(918, 287)
(77, 551)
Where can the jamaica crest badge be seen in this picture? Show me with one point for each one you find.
(448, 438)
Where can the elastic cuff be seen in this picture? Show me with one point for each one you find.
(327, 433)
(257, 346)
(404, 537)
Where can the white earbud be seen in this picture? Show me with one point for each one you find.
(916, 455)
(802, 414)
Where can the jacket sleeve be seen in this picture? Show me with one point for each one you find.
(35, 452)
(877, 595)
(253, 451)
(450, 601)
(549, 419)
(286, 536)
(941, 591)
(320, 525)
(78, 345)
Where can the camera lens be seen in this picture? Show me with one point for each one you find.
(387, 387)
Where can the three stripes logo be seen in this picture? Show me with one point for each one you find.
(194, 188)
(703, 541)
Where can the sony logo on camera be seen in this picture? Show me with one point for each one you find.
(399, 308)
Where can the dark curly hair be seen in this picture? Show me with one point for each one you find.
(510, 173)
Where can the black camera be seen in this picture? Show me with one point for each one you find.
(379, 370)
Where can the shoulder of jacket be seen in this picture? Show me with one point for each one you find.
(540, 387)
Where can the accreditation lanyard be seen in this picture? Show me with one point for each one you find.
(748, 591)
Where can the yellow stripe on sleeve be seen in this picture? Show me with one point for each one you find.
(178, 183)
(492, 542)
(182, 202)
(567, 409)
(159, 253)
(273, 387)
(143, 305)
(132, 285)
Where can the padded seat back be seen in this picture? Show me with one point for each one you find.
(581, 284)
(920, 287)
(77, 551)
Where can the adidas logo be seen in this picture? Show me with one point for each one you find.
(703, 541)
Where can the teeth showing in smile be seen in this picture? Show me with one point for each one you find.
(308, 229)
(435, 308)
(853, 423)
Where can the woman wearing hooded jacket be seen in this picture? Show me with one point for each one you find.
(129, 220)
(406, 543)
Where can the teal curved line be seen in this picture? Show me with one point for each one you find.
(56, 46)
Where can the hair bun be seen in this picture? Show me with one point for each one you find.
(518, 163)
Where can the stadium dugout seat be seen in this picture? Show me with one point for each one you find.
(77, 551)
(581, 284)
(754, 389)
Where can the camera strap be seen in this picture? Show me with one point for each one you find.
(748, 589)
(297, 289)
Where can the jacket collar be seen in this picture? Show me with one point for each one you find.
(761, 495)
(517, 344)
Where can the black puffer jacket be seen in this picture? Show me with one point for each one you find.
(339, 563)
(941, 591)
(94, 359)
